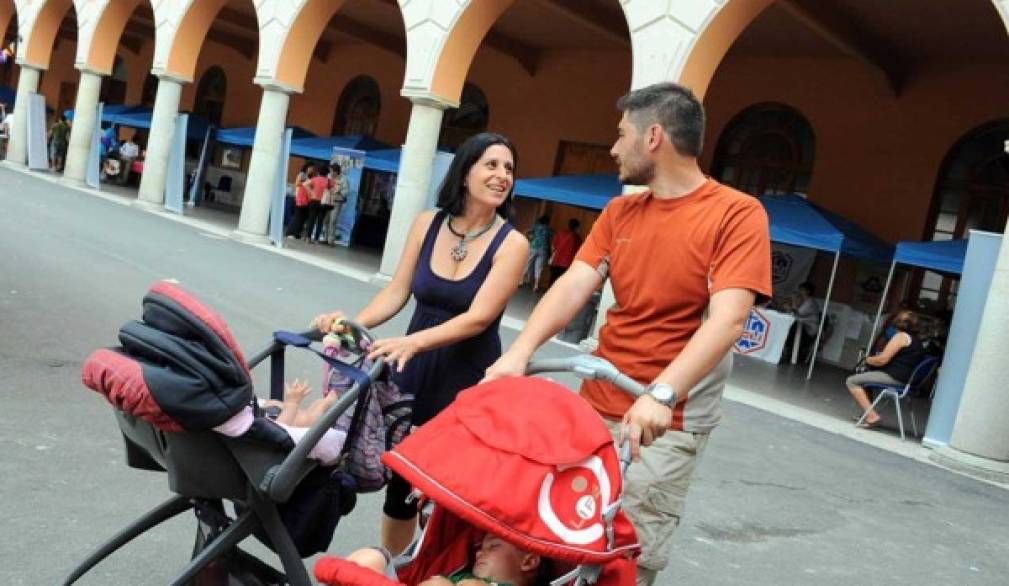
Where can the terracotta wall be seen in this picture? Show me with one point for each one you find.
(572, 97)
(61, 69)
(877, 156)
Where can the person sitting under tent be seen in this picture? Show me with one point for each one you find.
(892, 366)
(128, 152)
(807, 322)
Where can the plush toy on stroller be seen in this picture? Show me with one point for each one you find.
(525, 460)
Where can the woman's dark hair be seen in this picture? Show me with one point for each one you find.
(544, 219)
(306, 166)
(574, 224)
(808, 287)
(906, 321)
(452, 194)
(336, 167)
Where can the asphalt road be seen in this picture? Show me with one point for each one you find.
(775, 501)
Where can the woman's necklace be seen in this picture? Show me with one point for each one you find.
(459, 250)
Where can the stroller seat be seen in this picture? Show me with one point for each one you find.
(180, 375)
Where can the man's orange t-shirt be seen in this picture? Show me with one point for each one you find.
(665, 258)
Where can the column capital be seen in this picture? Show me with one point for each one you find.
(85, 68)
(426, 98)
(167, 76)
(271, 85)
(35, 67)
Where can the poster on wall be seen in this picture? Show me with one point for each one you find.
(351, 166)
(442, 161)
(764, 335)
(790, 266)
(278, 201)
(175, 181)
(92, 175)
(38, 155)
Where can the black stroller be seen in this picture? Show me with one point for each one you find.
(257, 472)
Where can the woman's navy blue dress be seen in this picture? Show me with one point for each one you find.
(435, 377)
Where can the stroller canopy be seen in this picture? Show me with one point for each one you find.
(178, 369)
(526, 459)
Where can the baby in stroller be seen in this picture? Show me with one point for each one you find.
(495, 562)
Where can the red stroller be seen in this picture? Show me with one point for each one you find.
(524, 459)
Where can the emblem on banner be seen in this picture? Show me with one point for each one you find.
(755, 333)
(572, 499)
(781, 266)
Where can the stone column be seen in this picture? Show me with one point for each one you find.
(82, 132)
(266, 151)
(28, 83)
(414, 180)
(159, 143)
(980, 441)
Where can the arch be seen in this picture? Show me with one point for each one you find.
(472, 116)
(712, 43)
(359, 107)
(190, 35)
(8, 39)
(101, 56)
(767, 147)
(211, 94)
(42, 38)
(461, 46)
(301, 40)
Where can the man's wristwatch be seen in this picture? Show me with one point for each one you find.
(662, 393)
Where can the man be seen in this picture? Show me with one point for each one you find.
(59, 135)
(685, 249)
(337, 197)
(565, 245)
(128, 153)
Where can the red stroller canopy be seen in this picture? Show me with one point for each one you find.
(526, 459)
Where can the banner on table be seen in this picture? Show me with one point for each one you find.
(351, 163)
(764, 335)
(790, 266)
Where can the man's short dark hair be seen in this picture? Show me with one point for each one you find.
(673, 107)
(809, 288)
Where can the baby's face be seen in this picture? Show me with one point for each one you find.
(498, 560)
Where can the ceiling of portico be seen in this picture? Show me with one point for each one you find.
(910, 31)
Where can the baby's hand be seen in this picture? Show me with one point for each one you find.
(296, 391)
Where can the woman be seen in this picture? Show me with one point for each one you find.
(318, 185)
(462, 264)
(337, 197)
(892, 366)
(302, 186)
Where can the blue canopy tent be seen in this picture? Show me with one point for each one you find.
(321, 147)
(385, 160)
(110, 111)
(587, 191)
(196, 129)
(246, 136)
(946, 256)
(797, 221)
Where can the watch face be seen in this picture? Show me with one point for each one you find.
(662, 393)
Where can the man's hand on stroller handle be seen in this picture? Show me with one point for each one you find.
(646, 421)
(511, 363)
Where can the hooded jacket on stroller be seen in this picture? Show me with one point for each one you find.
(522, 458)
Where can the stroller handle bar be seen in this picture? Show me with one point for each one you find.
(280, 482)
(588, 367)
